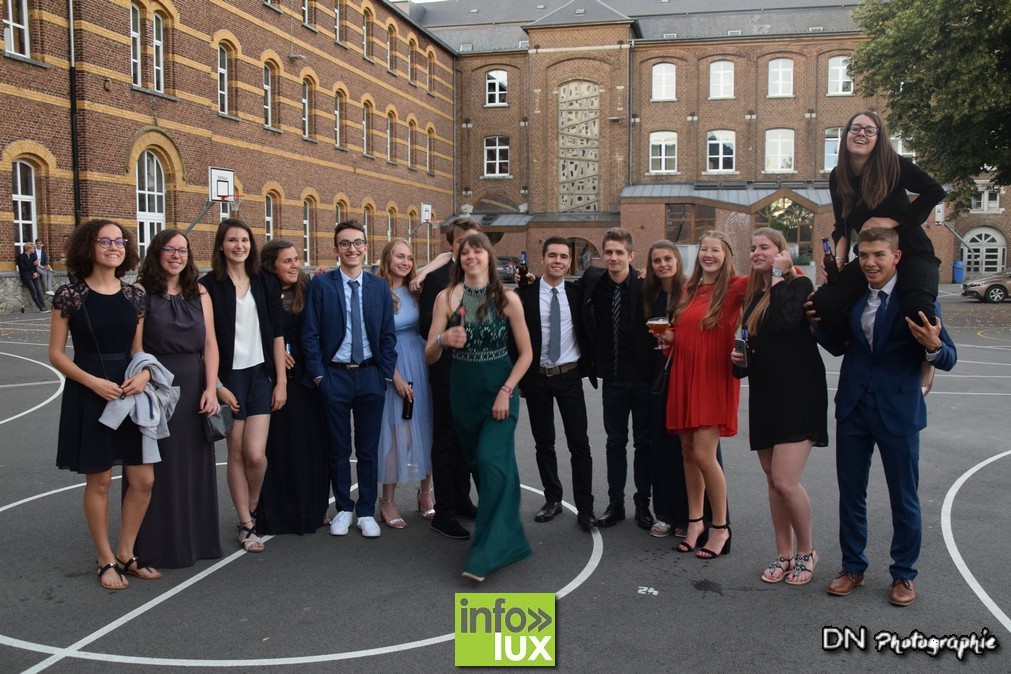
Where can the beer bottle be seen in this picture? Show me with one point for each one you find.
(831, 267)
(523, 269)
(409, 404)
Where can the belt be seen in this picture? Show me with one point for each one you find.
(558, 369)
(352, 366)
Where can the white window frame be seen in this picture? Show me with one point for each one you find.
(430, 74)
(17, 35)
(496, 166)
(306, 231)
(411, 133)
(268, 217)
(338, 213)
(721, 79)
(780, 78)
(135, 46)
(367, 224)
(721, 138)
(367, 34)
(223, 79)
(833, 137)
(391, 154)
(306, 109)
(307, 12)
(412, 61)
(25, 204)
(839, 81)
(496, 89)
(158, 52)
(268, 96)
(150, 199)
(366, 128)
(340, 21)
(779, 151)
(900, 145)
(664, 82)
(429, 137)
(987, 200)
(389, 225)
(663, 152)
(391, 48)
(338, 118)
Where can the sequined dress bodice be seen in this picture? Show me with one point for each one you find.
(487, 337)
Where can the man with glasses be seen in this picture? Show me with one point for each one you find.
(349, 342)
(42, 266)
(30, 276)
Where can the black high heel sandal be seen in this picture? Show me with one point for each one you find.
(683, 546)
(706, 553)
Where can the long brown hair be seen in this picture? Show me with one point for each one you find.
(219, 265)
(712, 317)
(496, 291)
(880, 173)
(268, 260)
(384, 272)
(756, 281)
(81, 249)
(651, 285)
(154, 279)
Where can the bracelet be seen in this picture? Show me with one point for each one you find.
(219, 386)
(438, 340)
(507, 389)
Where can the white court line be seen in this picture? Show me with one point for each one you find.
(31, 383)
(24, 343)
(45, 402)
(956, 556)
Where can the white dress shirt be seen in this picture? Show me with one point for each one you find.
(343, 354)
(569, 348)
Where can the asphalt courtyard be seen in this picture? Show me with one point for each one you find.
(625, 601)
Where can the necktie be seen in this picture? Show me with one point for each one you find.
(555, 328)
(615, 321)
(357, 348)
(879, 318)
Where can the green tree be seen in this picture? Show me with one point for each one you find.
(945, 68)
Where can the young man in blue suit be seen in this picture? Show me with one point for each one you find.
(879, 401)
(350, 354)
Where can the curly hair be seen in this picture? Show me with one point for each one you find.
(80, 249)
(153, 277)
(219, 265)
(720, 286)
(496, 291)
(268, 261)
(384, 272)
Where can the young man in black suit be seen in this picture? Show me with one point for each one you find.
(622, 351)
(30, 275)
(449, 469)
(551, 307)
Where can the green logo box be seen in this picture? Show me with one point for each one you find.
(509, 629)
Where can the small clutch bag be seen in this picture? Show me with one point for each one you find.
(218, 426)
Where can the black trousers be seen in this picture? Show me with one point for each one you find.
(567, 390)
(450, 474)
(34, 286)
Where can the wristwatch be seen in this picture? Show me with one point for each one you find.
(777, 272)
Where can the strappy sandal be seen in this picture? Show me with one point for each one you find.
(248, 539)
(800, 563)
(427, 513)
(777, 571)
(137, 566)
(102, 568)
(394, 523)
(706, 553)
(683, 546)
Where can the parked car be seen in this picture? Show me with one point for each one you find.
(507, 268)
(993, 288)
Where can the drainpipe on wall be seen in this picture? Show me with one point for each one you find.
(75, 150)
(456, 104)
(628, 113)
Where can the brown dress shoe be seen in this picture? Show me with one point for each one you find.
(903, 592)
(844, 583)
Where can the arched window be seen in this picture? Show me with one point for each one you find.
(664, 82)
(367, 34)
(779, 150)
(367, 129)
(307, 231)
(391, 49)
(224, 79)
(391, 137)
(269, 84)
(780, 78)
(496, 85)
(150, 199)
(412, 130)
(135, 49)
(308, 12)
(269, 216)
(429, 146)
(391, 224)
(720, 151)
(308, 94)
(340, 210)
(839, 81)
(339, 112)
(412, 61)
(412, 224)
(663, 152)
(367, 218)
(988, 252)
(431, 72)
(158, 52)
(23, 196)
(721, 79)
(341, 21)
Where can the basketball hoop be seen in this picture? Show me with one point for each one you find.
(233, 201)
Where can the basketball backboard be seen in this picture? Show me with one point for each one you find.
(220, 183)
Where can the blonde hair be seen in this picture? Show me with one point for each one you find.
(756, 281)
(384, 272)
(722, 283)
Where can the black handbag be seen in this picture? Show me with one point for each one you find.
(663, 379)
(218, 426)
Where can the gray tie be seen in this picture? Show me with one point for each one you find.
(555, 329)
(357, 348)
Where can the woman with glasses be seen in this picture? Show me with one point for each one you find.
(181, 525)
(106, 319)
(296, 487)
(869, 188)
(251, 373)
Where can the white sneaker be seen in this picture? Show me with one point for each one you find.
(369, 527)
(341, 523)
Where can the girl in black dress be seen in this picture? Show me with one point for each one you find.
(106, 319)
(788, 398)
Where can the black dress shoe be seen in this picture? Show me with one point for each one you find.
(450, 528)
(548, 512)
(468, 511)
(643, 517)
(614, 513)
(586, 521)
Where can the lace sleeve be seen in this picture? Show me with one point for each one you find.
(70, 298)
(137, 297)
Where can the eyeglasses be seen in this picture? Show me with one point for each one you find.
(105, 242)
(869, 131)
(170, 251)
(357, 243)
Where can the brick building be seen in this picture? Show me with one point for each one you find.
(323, 111)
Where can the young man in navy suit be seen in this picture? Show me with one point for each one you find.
(557, 376)
(879, 401)
(350, 354)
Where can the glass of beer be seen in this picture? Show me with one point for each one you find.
(658, 325)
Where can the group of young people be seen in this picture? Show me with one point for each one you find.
(419, 372)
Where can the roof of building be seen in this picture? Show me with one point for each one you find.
(739, 193)
(502, 26)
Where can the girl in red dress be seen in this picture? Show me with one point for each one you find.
(703, 393)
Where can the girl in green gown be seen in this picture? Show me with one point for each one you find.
(473, 316)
